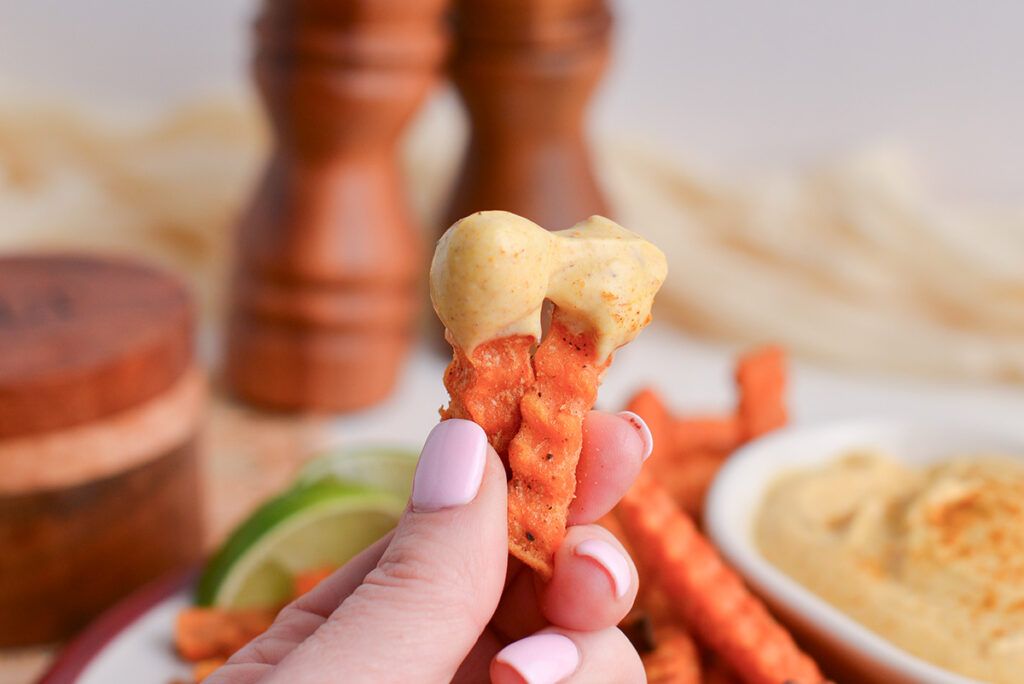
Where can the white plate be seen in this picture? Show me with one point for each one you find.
(132, 643)
(737, 494)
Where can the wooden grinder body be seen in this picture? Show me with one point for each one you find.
(525, 70)
(328, 258)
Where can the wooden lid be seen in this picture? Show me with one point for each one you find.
(83, 337)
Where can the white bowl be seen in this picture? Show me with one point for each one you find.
(737, 493)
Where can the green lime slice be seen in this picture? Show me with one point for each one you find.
(389, 468)
(314, 524)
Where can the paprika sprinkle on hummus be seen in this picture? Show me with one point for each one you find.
(930, 558)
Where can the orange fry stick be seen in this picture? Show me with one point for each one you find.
(305, 582)
(205, 668)
(648, 405)
(203, 633)
(488, 388)
(675, 659)
(650, 599)
(708, 594)
(688, 478)
(718, 672)
(711, 433)
(544, 453)
(761, 380)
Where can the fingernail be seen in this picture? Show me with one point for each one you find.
(451, 466)
(541, 658)
(645, 432)
(611, 561)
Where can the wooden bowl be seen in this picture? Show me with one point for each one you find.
(100, 406)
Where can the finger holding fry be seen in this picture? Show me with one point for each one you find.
(615, 446)
(594, 583)
(593, 586)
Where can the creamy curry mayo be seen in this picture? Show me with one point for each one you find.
(493, 270)
(930, 558)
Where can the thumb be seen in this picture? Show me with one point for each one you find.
(419, 612)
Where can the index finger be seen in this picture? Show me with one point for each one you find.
(615, 445)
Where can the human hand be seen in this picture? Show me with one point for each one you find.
(440, 600)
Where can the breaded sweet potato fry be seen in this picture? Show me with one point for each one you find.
(688, 478)
(705, 433)
(674, 660)
(707, 594)
(717, 672)
(204, 633)
(544, 453)
(761, 380)
(205, 668)
(488, 388)
(492, 276)
(305, 582)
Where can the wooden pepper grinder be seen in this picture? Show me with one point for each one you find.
(325, 290)
(101, 403)
(525, 70)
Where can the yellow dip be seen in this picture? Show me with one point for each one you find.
(931, 558)
(492, 272)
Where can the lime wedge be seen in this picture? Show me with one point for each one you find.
(378, 467)
(313, 524)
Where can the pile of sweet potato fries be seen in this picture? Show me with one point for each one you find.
(695, 622)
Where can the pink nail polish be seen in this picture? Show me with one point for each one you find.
(611, 561)
(451, 466)
(641, 427)
(541, 658)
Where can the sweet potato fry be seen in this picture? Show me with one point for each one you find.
(205, 668)
(204, 633)
(487, 389)
(703, 434)
(544, 453)
(648, 405)
(717, 672)
(306, 581)
(666, 648)
(761, 380)
(675, 659)
(687, 478)
(708, 595)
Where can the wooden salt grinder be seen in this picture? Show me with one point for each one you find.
(328, 260)
(525, 70)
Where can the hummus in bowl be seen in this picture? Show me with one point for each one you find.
(896, 550)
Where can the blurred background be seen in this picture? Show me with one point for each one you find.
(865, 149)
(843, 179)
(733, 87)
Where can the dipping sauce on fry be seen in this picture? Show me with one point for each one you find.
(493, 270)
(931, 558)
